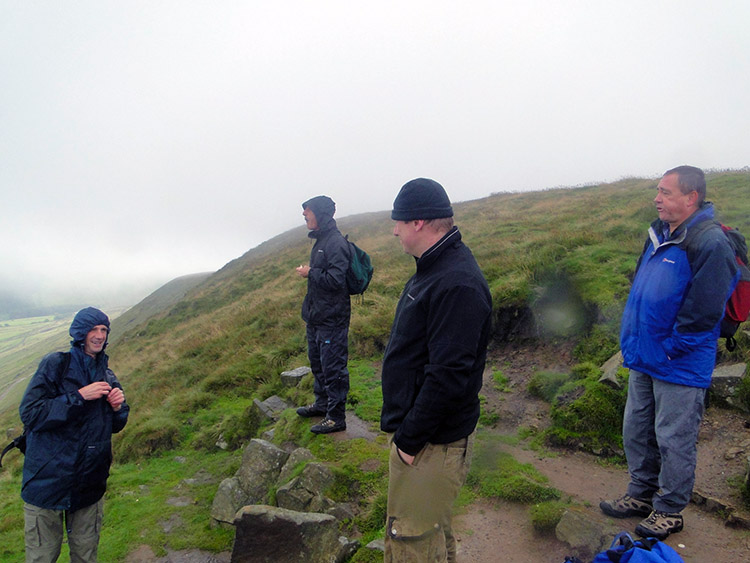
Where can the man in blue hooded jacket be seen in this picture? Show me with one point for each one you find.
(669, 334)
(72, 406)
(326, 310)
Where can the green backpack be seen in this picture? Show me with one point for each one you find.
(359, 274)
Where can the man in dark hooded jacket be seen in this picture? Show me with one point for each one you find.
(72, 406)
(326, 310)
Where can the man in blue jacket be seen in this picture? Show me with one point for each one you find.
(431, 376)
(669, 334)
(326, 310)
(72, 406)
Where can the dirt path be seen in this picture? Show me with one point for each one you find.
(501, 531)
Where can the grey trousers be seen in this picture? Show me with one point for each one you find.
(660, 431)
(43, 531)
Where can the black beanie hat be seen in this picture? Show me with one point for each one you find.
(421, 199)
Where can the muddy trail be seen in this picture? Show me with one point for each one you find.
(493, 531)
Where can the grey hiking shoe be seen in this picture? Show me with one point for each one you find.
(659, 525)
(327, 426)
(626, 506)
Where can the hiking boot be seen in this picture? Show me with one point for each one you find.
(626, 506)
(311, 410)
(659, 525)
(327, 426)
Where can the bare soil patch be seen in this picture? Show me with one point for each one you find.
(491, 531)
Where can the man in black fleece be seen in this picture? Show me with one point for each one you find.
(432, 374)
(326, 310)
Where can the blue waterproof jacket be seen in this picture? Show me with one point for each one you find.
(671, 322)
(68, 440)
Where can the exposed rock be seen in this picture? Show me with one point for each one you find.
(725, 381)
(228, 500)
(305, 493)
(293, 377)
(260, 469)
(171, 524)
(271, 408)
(342, 511)
(295, 458)
(271, 534)
(376, 545)
(583, 533)
(609, 369)
(180, 501)
(202, 477)
(221, 443)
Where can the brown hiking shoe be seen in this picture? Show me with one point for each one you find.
(659, 525)
(626, 506)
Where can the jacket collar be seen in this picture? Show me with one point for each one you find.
(431, 255)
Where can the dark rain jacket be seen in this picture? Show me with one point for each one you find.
(672, 318)
(327, 302)
(68, 442)
(433, 364)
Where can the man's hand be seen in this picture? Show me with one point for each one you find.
(406, 458)
(303, 270)
(95, 390)
(116, 398)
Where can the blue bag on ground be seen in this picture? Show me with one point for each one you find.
(648, 550)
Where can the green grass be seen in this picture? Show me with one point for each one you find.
(191, 368)
(497, 474)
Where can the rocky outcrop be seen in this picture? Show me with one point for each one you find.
(262, 463)
(272, 534)
(303, 527)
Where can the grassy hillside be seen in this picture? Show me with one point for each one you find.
(558, 263)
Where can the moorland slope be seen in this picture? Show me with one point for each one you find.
(558, 263)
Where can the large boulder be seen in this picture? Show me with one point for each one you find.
(276, 535)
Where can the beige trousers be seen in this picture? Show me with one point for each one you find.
(43, 531)
(420, 500)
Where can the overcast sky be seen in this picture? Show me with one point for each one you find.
(140, 141)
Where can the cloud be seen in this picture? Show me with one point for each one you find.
(143, 141)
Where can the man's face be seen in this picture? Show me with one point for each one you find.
(95, 340)
(310, 220)
(673, 206)
(407, 236)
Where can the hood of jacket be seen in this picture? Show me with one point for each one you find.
(84, 321)
(324, 208)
